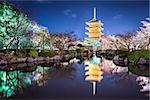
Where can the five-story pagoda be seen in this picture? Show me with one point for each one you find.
(94, 32)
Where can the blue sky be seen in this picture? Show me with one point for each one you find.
(64, 16)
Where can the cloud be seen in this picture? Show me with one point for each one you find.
(118, 16)
(69, 13)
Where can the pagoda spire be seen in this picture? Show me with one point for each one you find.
(94, 17)
(94, 32)
(94, 87)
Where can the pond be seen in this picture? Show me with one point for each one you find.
(92, 78)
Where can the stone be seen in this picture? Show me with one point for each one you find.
(30, 64)
(47, 58)
(13, 60)
(21, 60)
(116, 59)
(57, 58)
(3, 62)
(30, 59)
(120, 61)
(21, 65)
(142, 61)
(39, 59)
(148, 61)
(126, 61)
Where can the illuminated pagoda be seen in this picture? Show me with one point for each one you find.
(93, 72)
(94, 32)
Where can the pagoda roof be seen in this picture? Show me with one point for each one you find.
(93, 20)
(94, 23)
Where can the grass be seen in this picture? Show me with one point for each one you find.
(135, 55)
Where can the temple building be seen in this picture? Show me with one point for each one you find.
(93, 72)
(94, 32)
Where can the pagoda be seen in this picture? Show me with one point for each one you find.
(93, 72)
(94, 32)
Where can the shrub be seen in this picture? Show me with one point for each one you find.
(22, 53)
(33, 53)
(81, 50)
(135, 55)
(121, 52)
(72, 51)
(47, 53)
(64, 52)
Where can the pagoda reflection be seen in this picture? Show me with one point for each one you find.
(93, 72)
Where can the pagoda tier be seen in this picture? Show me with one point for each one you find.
(94, 34)
(92, 29)
(94, 42)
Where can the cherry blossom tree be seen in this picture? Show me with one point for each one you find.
(131, 40)
(142, 39)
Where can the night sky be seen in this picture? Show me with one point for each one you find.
(64, 16)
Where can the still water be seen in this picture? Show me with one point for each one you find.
(94, 78)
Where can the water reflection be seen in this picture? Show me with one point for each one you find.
(93, 71)
(72, 74)
(144, 82)
(65, 73)
(41, 75)
(125, 75)
(15, 81)
(118, 74)
(109, 67)
(11, 82)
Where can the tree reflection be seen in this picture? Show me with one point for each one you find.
(109, 67)
(11, 82)
(126, 75)
(118, 74)
(41, 75)
(144, 82)
(15, 81)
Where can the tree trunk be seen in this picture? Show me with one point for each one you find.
(17, 47)
(129, 50)
(10, 43)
